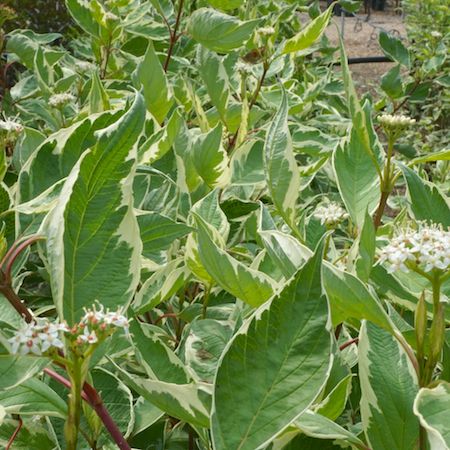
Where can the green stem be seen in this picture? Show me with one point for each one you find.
(386, 183)
(74, 411)
(437, 331)
(206, 300)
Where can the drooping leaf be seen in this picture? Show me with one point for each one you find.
(248, 285)
(432, 406)
(290, 364)
(33, 397)
(425, 200)
(217, 31)
(387, 394)
(15, 370)
(394, 48)
(310, 34)
(93, 243)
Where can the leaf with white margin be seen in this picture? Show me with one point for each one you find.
(432, 406)
(15, 370)
(208, 209)
(217, 31)
(210, 158)
(250, 286)
(93, 242)
(271, 371)
(318, 426)
(389, 386)
(33, 397)
(152, 77)
(215, 77)
(187, 402)
(306, 37)
(282, 173)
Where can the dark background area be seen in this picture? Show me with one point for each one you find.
(42, 16)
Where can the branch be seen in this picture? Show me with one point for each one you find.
(173, 35)
(14, 435)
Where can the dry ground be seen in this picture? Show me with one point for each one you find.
(361, 39)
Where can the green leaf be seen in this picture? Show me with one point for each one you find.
(215, 78)
(98, 98)
(186, 402)
(282, 173)
(151, 76)
(366, 249)
(82, 13)
(425, 200)
(248, 285)
(273, 371)
(357, 178)
(158, 233)
(349, 298)
(225, 4)
(210, 158)
(93, 243)
(33, 397)
(306, 37)
(158, 360)
(117, 398)
(391, 83)
(432, 406)
(318, 426)
(394, 48)
(217, 31)
(157, 145)
(333, 405)
(368, 140)
(15, 370)
(387, 394)
(32, 436)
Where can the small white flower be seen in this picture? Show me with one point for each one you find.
(49, 340)
(243, 67)
(436, 34)
(428, 248)
(109, 16)
(116, 319)
(88, 336)
(395, 121)
(330, 213)
(10, 127)
(60, 100)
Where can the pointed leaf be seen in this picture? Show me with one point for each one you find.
(93, 242)
(283, 368)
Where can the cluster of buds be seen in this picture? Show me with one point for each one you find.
(61, 100)
(97, 324)
(83, 66)
(42, 337)
(38, 338)
(427, 249)
(395, 124)
(330, 214)
(266, 31)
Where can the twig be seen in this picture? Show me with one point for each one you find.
(173, 35)
(348, 343)
(14, 435)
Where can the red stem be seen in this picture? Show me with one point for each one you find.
(348, 343)
(173, 36)
(14, 435)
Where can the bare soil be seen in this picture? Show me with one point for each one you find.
(361, 39)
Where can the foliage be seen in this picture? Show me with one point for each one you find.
(209, 241)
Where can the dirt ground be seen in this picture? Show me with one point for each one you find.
(361, 39)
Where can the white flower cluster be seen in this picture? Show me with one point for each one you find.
(330, 213)
(266, 31)
(428, 248)
(243, 67)
(99, 316)
(83, 66)
(59, 100)
(10, 127)
(38, 337)
(395, 121)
